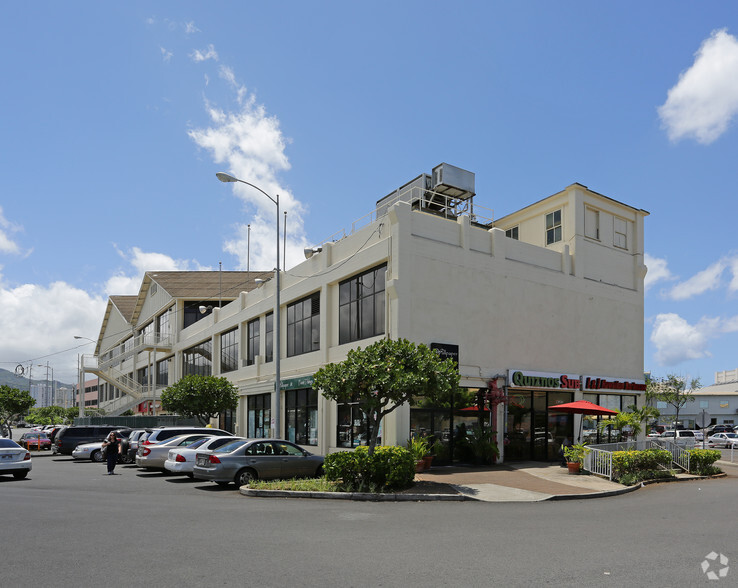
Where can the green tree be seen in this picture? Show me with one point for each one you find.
(384, 376)
(14, 404)
(200, 397)
(48, 415)
(673, 390)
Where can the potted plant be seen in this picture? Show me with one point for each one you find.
(575, 455)
(419, 449)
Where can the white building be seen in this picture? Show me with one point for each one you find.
(720, 400)
(547, 301)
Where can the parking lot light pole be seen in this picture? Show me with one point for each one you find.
(223, 177)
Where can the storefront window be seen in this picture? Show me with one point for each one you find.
(353, 428)
(301, 407)
(259, 407)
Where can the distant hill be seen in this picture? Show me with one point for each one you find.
(9, 378)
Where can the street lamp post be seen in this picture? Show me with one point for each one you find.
(81, 379)
(277, 340)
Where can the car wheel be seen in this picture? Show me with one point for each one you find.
(19, 475)
(190, 475)
(245, 477)
(97, 456)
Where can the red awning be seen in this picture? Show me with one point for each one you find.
(583, 407)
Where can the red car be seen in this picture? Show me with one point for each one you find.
(35, 440)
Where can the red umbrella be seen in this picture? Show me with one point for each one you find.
(473, 409)
(583, 407)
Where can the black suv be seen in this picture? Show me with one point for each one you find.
(67, 439)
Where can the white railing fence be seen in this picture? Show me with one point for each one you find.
(598, 460)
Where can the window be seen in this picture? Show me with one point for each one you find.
(353, 428)
(303, 326)
(591, 223)
(163, 325)
(620, 237)
(162, 373)
(229, 351)
(301, 407)
(192, 312)
(198, 360)
(252, 341)
(259, 415)
(146, 330)
(553, 227)
(512, 233)
(142, 376)
(269, 338)
(361, 306)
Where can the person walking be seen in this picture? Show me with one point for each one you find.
(112, 450)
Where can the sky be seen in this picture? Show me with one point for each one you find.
(116, 116)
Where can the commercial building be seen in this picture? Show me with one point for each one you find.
(545, 303)
(720, 400)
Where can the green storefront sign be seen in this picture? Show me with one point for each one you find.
(297, 383)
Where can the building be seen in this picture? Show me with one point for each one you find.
(546, 303)
(720, 400)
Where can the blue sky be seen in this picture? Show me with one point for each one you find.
(116, 116)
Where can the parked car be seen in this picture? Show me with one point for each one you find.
(182, 459)
(53, 432)
(14, 459)
(130, 444)
(244, 460)
(159, 434)
(680, 437)
(70, 437)
(34, 440)
(724, 440)
(153, 456)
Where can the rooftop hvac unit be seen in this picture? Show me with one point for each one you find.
(453, 181)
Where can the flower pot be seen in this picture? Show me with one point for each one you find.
(427, 461)
(419, 466)
(574, 467)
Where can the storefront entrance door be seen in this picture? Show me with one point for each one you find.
(533, 432)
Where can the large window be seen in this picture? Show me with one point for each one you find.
(259, 415)
(269, 338)
(301, 407)
(142, 376)
(253, 340)
(303, 326)
(620, 237)
(361, 306)
(162, 373)
(163, 325)
(229, 351)
(553, 227)
(192, 312)
(198, 360)
(591, 223)
(353, 427)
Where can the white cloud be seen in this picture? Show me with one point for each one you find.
(123, 283)
(677, 341)
(190, 28)
(733, 263)
(198, 56)
(701, 282)
(166, 55)
(227, 74)
(7, 244)
(705, 99)
(657, 271)
(250, 145)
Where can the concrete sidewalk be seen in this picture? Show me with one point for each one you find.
(522, 482)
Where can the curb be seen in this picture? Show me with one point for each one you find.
(362, 496)
(602, 494)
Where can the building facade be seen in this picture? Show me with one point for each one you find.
(720, 400)
(546, 303)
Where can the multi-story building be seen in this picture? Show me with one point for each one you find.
(720, 400)
(546, 303)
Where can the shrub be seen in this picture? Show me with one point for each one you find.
(635, 466)
(387, 468)
(701, 461)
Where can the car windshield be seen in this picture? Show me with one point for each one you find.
(731, 435)
(228, 447)
(197, 443)
(8, 444)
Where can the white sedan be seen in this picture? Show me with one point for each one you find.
(182, 459)
(724, 439)
(14, 459)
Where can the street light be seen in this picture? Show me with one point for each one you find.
(80, 379)
(277, 380)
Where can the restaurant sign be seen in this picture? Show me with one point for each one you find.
(297, 383)
(558, 381)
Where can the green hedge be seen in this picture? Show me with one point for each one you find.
(357, 471)
(630, 467)
(701, 460)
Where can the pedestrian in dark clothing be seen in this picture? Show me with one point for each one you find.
(112, 449)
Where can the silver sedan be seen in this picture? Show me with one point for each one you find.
(153, 456)
(242, 461)
(181, 460)
(14, 459)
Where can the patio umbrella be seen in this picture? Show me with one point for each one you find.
(583, 407)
